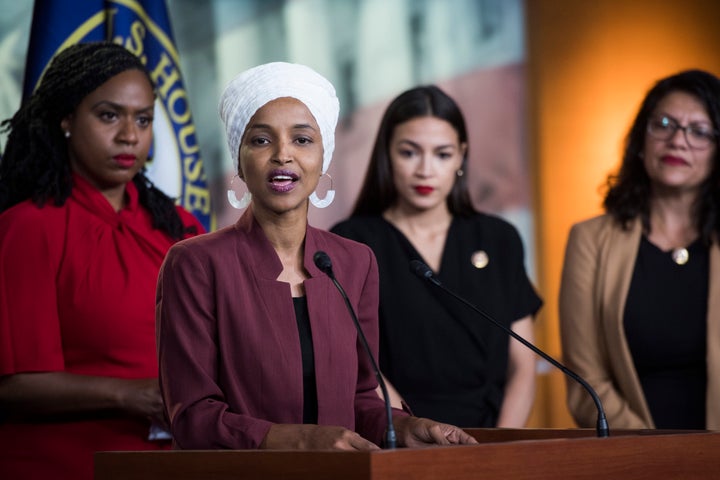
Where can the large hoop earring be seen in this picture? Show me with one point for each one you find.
(329, 196)
(233, 200)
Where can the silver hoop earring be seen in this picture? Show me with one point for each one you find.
(233, 200)
(329, 195)
(460, 172)
(67, 133)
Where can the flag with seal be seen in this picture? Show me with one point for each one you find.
(143, 27)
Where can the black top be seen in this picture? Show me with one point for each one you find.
(447, 362)
(666, 329)
(310, 401)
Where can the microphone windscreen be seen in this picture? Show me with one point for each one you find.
(420, 269)
(322, 261)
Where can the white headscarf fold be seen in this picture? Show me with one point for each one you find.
(253, 88)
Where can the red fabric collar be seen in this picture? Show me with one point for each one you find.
(92, 199)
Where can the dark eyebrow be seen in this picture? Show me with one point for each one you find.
(118, 106)
(415, 145)
(694, 122)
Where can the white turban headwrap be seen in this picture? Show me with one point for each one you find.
(253, 88)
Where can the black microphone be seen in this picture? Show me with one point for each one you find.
(602, 428)
(322, 261)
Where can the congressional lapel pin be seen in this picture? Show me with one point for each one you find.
(480, 259)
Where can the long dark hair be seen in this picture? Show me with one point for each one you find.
(35, 163)
(378, 192)
(629, 191)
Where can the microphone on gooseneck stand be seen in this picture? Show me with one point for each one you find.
(424, 272)
(323, 262)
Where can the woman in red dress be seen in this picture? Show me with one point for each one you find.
(82, 235)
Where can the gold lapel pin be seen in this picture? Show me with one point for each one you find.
(480, 259)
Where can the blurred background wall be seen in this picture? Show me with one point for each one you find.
(548, 87)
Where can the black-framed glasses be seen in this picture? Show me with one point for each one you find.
(698, 136)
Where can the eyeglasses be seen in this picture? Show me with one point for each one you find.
(697, 136)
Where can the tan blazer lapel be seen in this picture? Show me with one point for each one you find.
(620, 257)
(713, 341)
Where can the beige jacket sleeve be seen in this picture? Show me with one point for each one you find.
(595, 279)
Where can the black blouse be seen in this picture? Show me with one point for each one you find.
(310, 401)
(447, 362)
(666, 328)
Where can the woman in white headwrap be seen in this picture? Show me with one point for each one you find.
(256, 346)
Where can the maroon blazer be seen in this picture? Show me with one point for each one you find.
(228, 343)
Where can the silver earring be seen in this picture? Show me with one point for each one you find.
(329, 195)
(460, 172)
(67, 133)
(233, 200)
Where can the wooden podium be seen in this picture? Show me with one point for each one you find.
(502, 453)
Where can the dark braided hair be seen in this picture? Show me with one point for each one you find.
(378, 192)
(629, 191)
(35, 164)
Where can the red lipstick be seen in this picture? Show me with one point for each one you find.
(673, 161)
(423, 189)
(125, 160)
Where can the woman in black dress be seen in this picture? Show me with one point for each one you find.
(444, 360)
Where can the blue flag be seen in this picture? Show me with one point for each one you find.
(143, 27)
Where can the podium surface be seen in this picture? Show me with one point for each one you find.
(502, 453)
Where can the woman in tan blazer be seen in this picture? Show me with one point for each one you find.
(640, 292)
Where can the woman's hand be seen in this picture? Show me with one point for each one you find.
(141, 398)
(421, 432)
(36, 395)
(314, 437)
